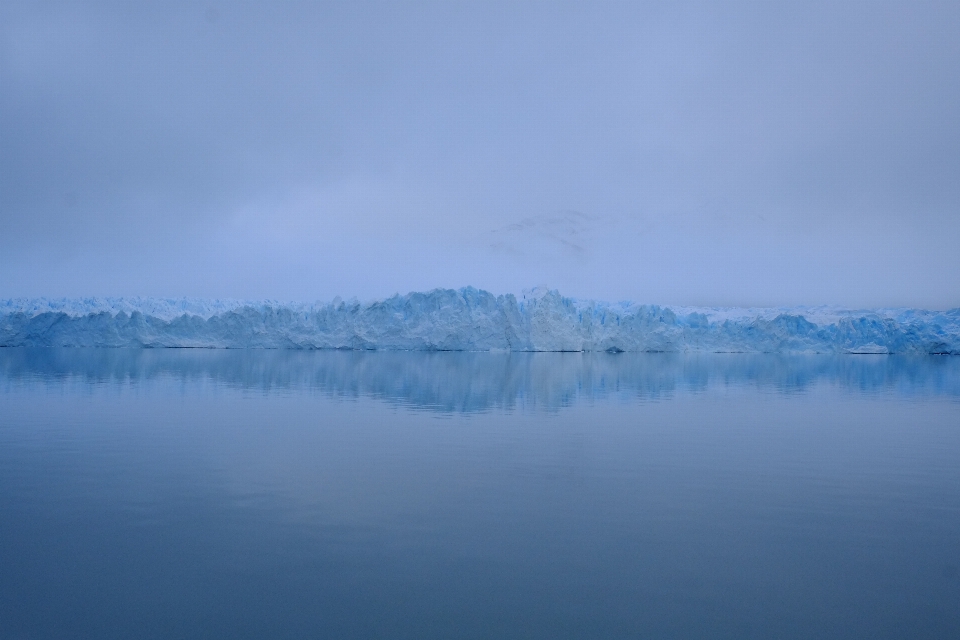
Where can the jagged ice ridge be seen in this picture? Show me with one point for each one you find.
(472, 320)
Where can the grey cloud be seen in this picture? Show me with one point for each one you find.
(737, 153)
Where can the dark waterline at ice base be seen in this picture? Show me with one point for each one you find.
(279, 494)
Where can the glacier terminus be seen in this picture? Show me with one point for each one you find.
(470, 319)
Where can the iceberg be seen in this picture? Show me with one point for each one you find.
(469, 319)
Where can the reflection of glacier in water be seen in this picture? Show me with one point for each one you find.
(478, 381)
(283, 493)
(472, 320)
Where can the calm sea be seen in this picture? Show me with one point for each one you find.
(281, 494)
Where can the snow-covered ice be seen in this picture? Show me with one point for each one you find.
(473, 320)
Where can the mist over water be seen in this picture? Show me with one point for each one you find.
(760, 179)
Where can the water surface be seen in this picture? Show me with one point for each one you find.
(254, 494)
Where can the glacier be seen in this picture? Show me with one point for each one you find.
(470, 319)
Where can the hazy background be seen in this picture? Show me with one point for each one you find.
(716, 153)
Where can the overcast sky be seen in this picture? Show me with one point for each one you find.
(764, 153)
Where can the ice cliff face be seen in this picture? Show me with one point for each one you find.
(473, 320)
